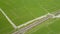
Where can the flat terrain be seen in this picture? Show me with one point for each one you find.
(5, 26)
(48, 27)
(22, 11)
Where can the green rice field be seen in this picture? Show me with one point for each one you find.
(22, 11)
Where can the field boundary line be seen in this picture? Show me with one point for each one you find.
(45, 25)
(32, 20)
(10, 21)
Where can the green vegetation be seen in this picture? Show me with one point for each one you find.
(5, 26)
(50, 26)
(21, 11)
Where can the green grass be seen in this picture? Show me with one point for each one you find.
(5, 26)
(50, 26)
(21, 11)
